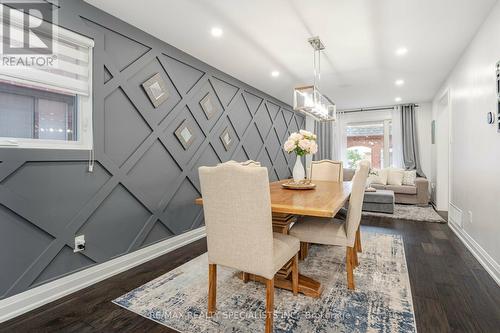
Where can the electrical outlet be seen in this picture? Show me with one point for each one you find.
(79, 243)
(470, 216)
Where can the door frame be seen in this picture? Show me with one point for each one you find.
(444, 105)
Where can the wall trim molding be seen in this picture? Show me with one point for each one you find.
(31, 299)
(489, 264)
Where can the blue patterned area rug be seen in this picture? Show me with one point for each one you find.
(382, 300)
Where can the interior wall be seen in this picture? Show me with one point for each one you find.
(475, 153)
(144, 182)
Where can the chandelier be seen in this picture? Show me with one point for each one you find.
(308, 100)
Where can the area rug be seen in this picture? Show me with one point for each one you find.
(382, 300)
(412, 213)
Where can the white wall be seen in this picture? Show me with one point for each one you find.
(475, 148)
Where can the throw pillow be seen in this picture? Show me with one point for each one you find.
(409, 177)
(378, 176)
(395, 176)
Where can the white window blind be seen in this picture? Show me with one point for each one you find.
(71, 70)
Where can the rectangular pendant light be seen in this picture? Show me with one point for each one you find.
(309, 101)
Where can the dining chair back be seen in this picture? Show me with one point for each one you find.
(356, 201)
(237, 208)
(327, 170)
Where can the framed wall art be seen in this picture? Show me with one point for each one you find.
(207, 106)
(226, 139)
(433, 132)
(184, 134)
(156, 89)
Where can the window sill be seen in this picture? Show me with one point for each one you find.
(43, 144)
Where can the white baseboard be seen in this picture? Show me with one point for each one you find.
(31, 299)
(489, 264)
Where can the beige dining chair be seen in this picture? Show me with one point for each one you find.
(322, 231)
(237, 208)
(327, 170)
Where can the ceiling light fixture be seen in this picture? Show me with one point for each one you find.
(216, 31)
(275, 73)
(399, 82)
(398, 99)
(401, 51)
(308, 100)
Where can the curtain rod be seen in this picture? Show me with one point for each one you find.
(380, 108)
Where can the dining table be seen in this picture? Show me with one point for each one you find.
(288, 206)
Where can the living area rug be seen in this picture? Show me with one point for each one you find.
(412, 213)
(382, 300)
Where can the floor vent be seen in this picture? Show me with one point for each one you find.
(455, 215)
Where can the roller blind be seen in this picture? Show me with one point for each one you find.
(71, 69)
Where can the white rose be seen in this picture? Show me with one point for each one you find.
(295, 137)
(305, 144)
(305, 133)
(289, 146)
(314, 148)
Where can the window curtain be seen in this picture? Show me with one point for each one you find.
(411, 157)
(324, 132)
(397, 138)
(339, 138)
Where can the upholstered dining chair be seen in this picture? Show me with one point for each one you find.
(322, 231)
(327, 170)
(237, 208)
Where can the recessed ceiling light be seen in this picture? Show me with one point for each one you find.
(401, 51)
(216, 31)
(275, 73)
(398, 99)
(399, 82)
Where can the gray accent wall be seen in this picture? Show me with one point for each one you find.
(144, 183)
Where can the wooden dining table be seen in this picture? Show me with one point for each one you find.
(325, 200)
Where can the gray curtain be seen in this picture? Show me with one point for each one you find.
(411, 156)
(325, 140)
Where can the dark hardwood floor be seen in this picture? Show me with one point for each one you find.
(451, 291)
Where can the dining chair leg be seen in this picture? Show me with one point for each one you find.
(295, 275)
(349, 267)
(269, 305)
(304, 248)
(212, 288)
(358, 241)
(246, 277)
(355, 261)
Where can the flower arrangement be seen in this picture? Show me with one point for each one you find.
(302, 143)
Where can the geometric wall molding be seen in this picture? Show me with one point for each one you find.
(107, 75)
(226, 91)
(183, 75)
(144, 182)
(122, 49)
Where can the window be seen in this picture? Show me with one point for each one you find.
(33, 114)
(48, 106)
(370, 141)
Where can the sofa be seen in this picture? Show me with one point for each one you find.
(417, 194)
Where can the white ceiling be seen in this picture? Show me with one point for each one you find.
(359, 65)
